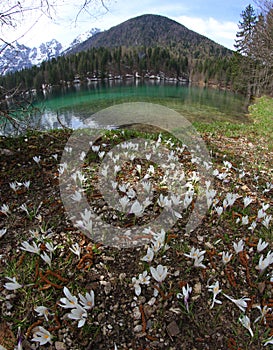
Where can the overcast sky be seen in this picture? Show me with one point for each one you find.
(215, 19)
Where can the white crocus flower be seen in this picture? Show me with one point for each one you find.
(3, 232)
(186, 295)
(245, 220)
(264, 311)
(79, 314)
(245, 321)
(266, 221)
(195, 253)
(160, 273)
(144, 278)
(238, 247)
(37, 159)
(214, 288)
(77, 197)
(13, 285)
(42, 336)
(219, 210)
(137, 208)
(247, 201)
(261, 245)
(47, 258)
(269, 341)
(136, 284)
(5, 209)
(124, 202)
(87, 301)
(264, 262)
(226, 257)
(70, 301)
(42, 311)
(76, 249)
(241, 303)
(198, 262)
(149, 255)
(30, 248)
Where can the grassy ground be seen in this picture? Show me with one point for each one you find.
(121, 316)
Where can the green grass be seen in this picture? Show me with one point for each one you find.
(260, 123)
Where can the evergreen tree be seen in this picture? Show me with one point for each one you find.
(246, 31)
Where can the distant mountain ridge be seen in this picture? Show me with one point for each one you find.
(17, 56)
(147, 30)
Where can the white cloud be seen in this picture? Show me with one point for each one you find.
(223, 32)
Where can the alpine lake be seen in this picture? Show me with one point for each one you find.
(71, 106)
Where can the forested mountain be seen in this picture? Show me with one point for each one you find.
(145, 46)
(152, 30)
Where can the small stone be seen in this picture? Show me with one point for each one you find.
(136, 313)
(60, 345)
(173, 329)
(138, 328)
(197, 288)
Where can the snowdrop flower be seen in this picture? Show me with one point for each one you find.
(264, 311)
(13, 285)
(186, 295)
(247, 201)
(241, 303)
(261, 245)
(42, 311)
(37, 159)
(160, 273)
(42, 336)
(2, 232)
(47, 259)
(70, 301)
(136, 284)
(5, 209)
(214, 288)
(226, 257)
(87, 301)
(76, 249)
(79, 314)
(149, 255)
(245, 321)
(30, 248)
(238, 247)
